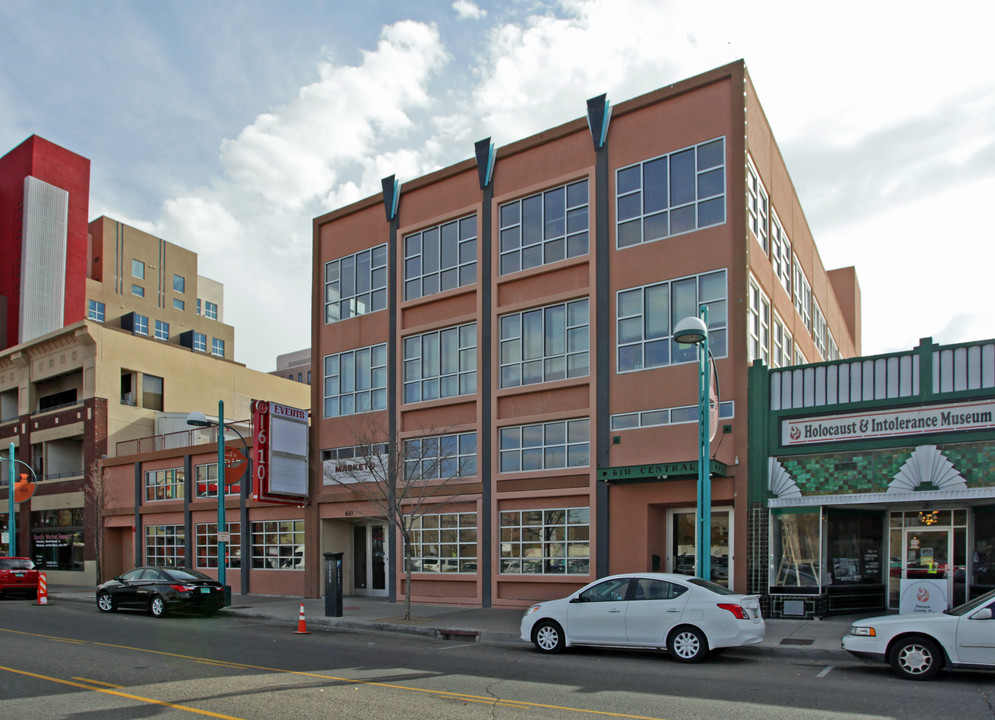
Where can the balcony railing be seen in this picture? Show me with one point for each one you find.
(181, 438)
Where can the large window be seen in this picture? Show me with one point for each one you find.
(756, 204)
(161, 330)
(440, 258)
(356, 381)
(803, 295)
(199, 342)
(278, 544)
(795, 546)
(819, 330)
(141, 326)
(781, 352)
(152, 392)
(545, 344)
(546, 542)
(671, 194)
(207, 545)
(759, 325)
(441, 457)
(855, 548)
(444, 543)
(356, 284)
(545, 446)
(57, 539)
(164, 484)
(543, 228)
(648, 314)
(780, 256)
(440, 364)
(96, 311)
(164, 546)
(206, 483)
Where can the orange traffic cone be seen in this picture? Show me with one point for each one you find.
(42, 592)
(301, 624)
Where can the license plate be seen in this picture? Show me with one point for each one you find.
(206, 590)
(18, 574)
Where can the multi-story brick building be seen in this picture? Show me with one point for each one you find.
(524, 304)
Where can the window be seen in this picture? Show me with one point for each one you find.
(137, 269)
(671, 194)
(179, 283)
(546, 542)
(217, 347)
(151, 392)
(444, 543)
(832, 349)
(855, 548)
(545, 446)
(353, 464)
(164, 484)
(803, 296)
(199, 342)
(128, 388)
(441, 457)
(164, 546)
(756, 204)
(210, 310)
(780, 255)
(57, 540)
(141, 326)
(278, 544)
(799, 356)
(440, 364)
(138, 290)
(161, 330)
(95, 311)
(440, 258)
(781, 345)
(544, 228)
(356, 284)
(795, 543)
(646, 316)
(206, 482)
(819, 330)
(667, 416)
(545, 344)
(356, 381)
(207, 545)
(178, 304)
(198, 306)
(759, 324)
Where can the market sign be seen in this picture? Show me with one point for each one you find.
(889, 423)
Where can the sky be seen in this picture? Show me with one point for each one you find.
(227, 126)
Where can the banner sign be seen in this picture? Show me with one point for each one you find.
(280, 447)
(923, 596)
(889, 423)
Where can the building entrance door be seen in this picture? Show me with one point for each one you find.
(681, 554)
(369, 559)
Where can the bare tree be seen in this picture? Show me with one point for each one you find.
(402, 483)
(95, 493)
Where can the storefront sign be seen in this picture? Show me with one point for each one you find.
(889, 423)
(923, 596)
(658, 471)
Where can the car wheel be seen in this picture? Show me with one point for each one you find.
(916, 658)
(687, 644)
(548, 637)
(157, 606)
(105, 602)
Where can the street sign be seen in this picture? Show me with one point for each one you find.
(224, 536)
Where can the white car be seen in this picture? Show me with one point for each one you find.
(687, 615)
(919, 645)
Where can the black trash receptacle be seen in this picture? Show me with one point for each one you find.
(333, 584)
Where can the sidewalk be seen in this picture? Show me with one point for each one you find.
(817, 639)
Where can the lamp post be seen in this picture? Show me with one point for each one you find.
(694, 331)
(12, 490)
(198, 419)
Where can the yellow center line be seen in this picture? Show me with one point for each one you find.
(370, 683)
(97, 682)
(128, 696)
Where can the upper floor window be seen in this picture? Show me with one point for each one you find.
(217, 347)
(356, 381)
(164, 484)
(440, 364)
(780, 253)
(210, 310)
(96, 311)
(545, 344)
(781, 345)
(671, 194)
(138, 269)
(545, 446)
(543, 228)
(199, 341)
(206, 483)
(141, 326)
(440, 258)
(441, 457)
(179, 283)
(152, 392)
(803, 296)
(819, 330)
(161, 330)
(647, 315)
(178, 304)
(356, 284)
(759, 324)
(138, 290)
(756, 204)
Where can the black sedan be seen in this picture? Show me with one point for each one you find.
(161, 589)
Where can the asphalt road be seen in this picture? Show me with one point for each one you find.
(69, 661)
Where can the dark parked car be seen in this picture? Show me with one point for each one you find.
(162, 589)
(18, 575)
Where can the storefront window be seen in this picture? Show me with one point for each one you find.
(795, 542)
(57, 539)
(983, 572)
(855, 548)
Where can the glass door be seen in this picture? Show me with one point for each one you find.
(681, 551)
(369, 559)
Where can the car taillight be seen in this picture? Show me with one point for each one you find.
(736, 610)
(182, 588)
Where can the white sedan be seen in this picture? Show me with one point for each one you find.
(687, 615)
(919, 645)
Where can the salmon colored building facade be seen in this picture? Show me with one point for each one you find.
(520, 306)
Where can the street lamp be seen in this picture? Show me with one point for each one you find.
(694, 331)
(198, 419)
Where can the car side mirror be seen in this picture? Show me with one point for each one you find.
(982, 614)
(577, 599)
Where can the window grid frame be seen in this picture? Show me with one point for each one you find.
(206, 545)
(547, 247)
(413, 256)
(369, 283)
(781, 255)
(517, 533)
(759, 324)
(162, 330)
(758, 206)
(663, 417)
(517, 451)
(217, 347)
(96, 311)
(171, 481)
(465, 364)
(169, 541)
(372, 386)
(512, 372)
(266, 536)
(423, 530)
(465, 462)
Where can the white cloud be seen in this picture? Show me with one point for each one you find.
(206, 226)
(466, 10)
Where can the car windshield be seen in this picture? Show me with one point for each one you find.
(186, 574)
(970, 605)
(714, 587)
(16, 564)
